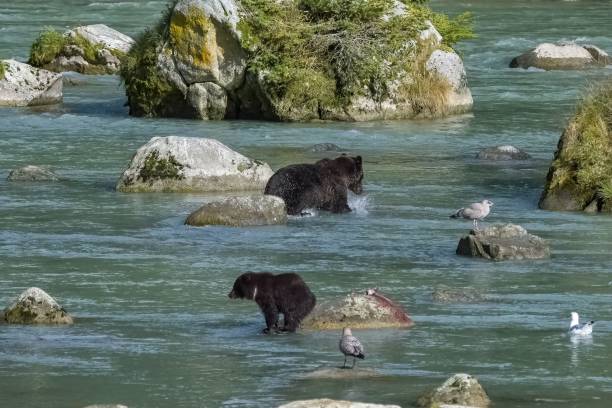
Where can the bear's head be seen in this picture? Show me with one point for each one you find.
(349, 169)
(243, 287)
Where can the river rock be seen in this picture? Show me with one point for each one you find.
(449, 66)
(187, 164)
(460, 389)
(369, 310)
(35, 306)
(240, 212)
(505, 152)
(24, 85)
(561, 56)
(325, 147)
(32, 173)
(503, 242)
(445, 294)
(106, 406)
(105, 36)
(339, 373)
(328, 403)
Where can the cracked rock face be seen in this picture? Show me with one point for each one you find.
(25, 85)
(35, 306)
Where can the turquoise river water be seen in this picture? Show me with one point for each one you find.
(154, 325)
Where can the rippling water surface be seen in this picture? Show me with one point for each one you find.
(155, 328)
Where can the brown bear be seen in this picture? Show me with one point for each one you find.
(323, 185)
(285, 293)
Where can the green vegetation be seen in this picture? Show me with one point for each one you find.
(155, 168)
(584, 160)
(2, 69)
(50, 44)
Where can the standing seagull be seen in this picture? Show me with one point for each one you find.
(475, 212)
(350, 346)
(578, 329)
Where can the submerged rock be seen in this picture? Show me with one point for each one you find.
(460, 389)
(35, 306)
(444, 294)
(24, 85)
(328, 403)
(32, 173)
(370, 310)
(325, 147)
(240, 212)
(106, 406)
(186, 164)
(505, 152)
(339, 373)
(563, 56)
(503, 242)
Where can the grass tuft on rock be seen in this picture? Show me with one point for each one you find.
(2, 70)
(50, 44)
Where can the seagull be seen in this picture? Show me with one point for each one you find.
(350, 346)
(475, 212)
(578, 329)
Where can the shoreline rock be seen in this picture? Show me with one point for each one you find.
(460, 389)
(35, 306)
(240, 212)
(503, 242)
(188, 164)
(25, 85)
(32, 173)
(562, 56)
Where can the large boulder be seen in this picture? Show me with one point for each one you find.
(503, 242)
(201, 71)
(368, 310)
(32, 173)
(240, 211)
(24, 85)
(187, 164)
(329, 403)
(504, 152)
(460, 389)
(561, 57)
(35, 306)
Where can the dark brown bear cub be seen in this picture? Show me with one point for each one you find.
(286, 293)
(323, 185)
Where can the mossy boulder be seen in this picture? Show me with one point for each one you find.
(368, 310)
(35, 306)
(24, 85)
(563, 56)
(92, 49)
(460, 389)
(189, 164)
(240, 211)
(580, 177)
(298, 60)
(32, 173)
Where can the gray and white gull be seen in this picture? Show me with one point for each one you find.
(350, 346)
(475, 212)
(580, 329)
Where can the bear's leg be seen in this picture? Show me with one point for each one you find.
(291, 322)
(271, 314)
(340, 200)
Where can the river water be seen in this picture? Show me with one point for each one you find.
(154, 325)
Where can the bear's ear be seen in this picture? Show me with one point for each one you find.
(358, 161)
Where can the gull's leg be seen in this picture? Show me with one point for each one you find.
(344, 365)
(353, 362)
(475, 224)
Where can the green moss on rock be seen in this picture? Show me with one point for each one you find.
(2, 70)
(156, 168)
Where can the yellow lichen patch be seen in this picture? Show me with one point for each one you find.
(192, 36)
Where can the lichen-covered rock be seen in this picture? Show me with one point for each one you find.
(32, 173)
(563, 56)
(445, 294)
(369, 310)
(503, 242)
(24, 85)
(184, 164)
(460, 389)
(505, 152)
(35, 306)
(328, 403)
(240, 211)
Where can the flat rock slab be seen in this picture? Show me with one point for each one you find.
(369, 310)
(35, 306)
(105, 36)
(328, 403)
(241, 212)
(336, 373)
(562, 56)
(32, 173)
(25, 85)
(505, 152)
(503, 242)
(460, 389)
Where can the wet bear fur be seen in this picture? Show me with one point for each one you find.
(323, 185)
(285, 293)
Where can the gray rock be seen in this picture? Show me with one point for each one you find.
(75, 63)
(563, 56)
(460, 389)
(105, 36)
(32, 173)
(369, 310)
(444, 294)
(599, 55)
(186, 164)
(240, 212)
(208, 99)
(24, 85)
(325, 147)
(328, 403)
(503, 242)
(35, 306)
(504, 152)
(339, 373)
(106, 406)
(449, 66)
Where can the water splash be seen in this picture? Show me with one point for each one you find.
(359, 203)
